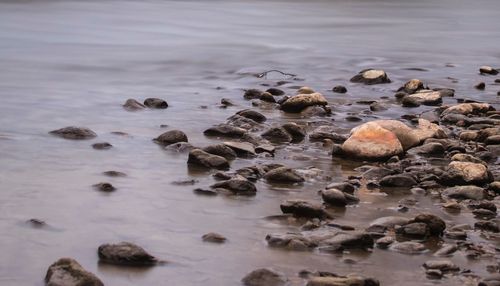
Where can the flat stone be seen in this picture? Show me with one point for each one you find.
(264, 277)
(252, 114)
(408, 247)
(221, 150)
(201, 158)
(297, 103)
(350, 280)
(244, 149)
(442, 265)
(104, 187)
(74, 133)
(225, 130)
(399, 180)
(466, 173)
(347, 240)
(214, 237)
(237, 186)
(301, 208)
(371, 76)
(125, 253)
(102, 146)
(283, 175)
(469, 192)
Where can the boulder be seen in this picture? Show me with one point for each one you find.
(221, 150)
(264, 277)
(155, 103)
(297, 103)
(201, 158)
(171, 137)
(347, 240)
(252, 114)
(466, 173)
(237, 186)
(277, 135)
(371, 76)
(412, 86)
(464, 192)
(283, 175)
(74, 133)
(125, 253)
(301, 208)
(133, 105)
(225, 130)
(68, 272)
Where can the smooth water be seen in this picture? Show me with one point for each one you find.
(76, 62)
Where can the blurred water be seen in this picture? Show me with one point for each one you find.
(75, 62)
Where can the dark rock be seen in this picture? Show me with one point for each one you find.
(301, 208)
(242, 149)
(226, 102)
(347, 240)
(267, 97)
(400, 180)
(436, 225)
(339, 89)
(492, 140)
(171, 137)
(296, 131)
(180, 147)
(371, 76)
(277, 135)
(133, 105)
(214, 237)
(412, 86)
(155, 103)
(252, 94)
(104, 187)
(377, 106)
(125, 253)
(298, 103)
(204, 192)
(442, 265)
(283, 175)
(114, 174)
(487, 226)
(237, 186)
(488, 70)
(225, 130)
(275, 91)
(74, 133)
(410, 102)
(102, 146)
(252, 114)
(430, 149)
(335, 197)
(68, 272)
(415, 230)
(480, 86)
(469, 192)
(221, 150)
(204, 159)
(264, 277)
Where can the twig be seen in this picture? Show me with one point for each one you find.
(264, 74)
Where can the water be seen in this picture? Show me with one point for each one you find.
(75, 62)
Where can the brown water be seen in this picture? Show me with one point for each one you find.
(75, 62)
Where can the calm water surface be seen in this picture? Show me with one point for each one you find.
(76, 62)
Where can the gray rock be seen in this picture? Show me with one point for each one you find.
(180, 147)
(125, 253)
(415, 230)
(296, 131)
(464, 192)
(298, 103)
(264, 277)
(347, 240)
(382, 224)
(277, 135)
(252, 114)
(488, 70)
(74, 133)
(133, 105)
(104, 187)
(238, 186)
(214, 237)
(408, 247)
(436, 225)
(68, 272)
(302, 208)
(283, 175)
(201, 158)
(290, 241)
(102, 146)
(442, 265)
(399, 180)
(155, 103)
(221, 150)
(371, 76)
(335, 197)
(171, 137)
(446, 250)
(242, 149)
(225, 130)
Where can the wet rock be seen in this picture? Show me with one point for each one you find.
(480, 86)
(415, 230)
(467, 158)
(180, 147)
(102, 146)
(464, 192)
(201, 158)
(377, 106)
(326, 132)
(74, 133)
(283, 175)
(268, 148)
(264, 277)
(408, 101)
(297, 103)
(492, 140)
(243, 122)
(442, 265)
(446, 250)
(371, 76)
(114, 174)
(339, 89)
(171, 137)
(400, 180)
(335, 197)
(133, 105)
(225, 130)
(104, 187)
(204, 192)
(467, 108)
(429, 149)
(408, 247)
(277, 135)
(302, 208)
(242, 149)
(68, 272)
(343, 187)
(465, 173)
(296, 131)
(155, 103)
(267, 97)
(221, 150)
(252, 94)
(424, 97)
(412, 86)
(214, 237)
(384, 224)
(125, 253)
(237, 186)
(252, 114)
(487, 225)
(492, 280)
(290, 241)
(305, 90)
(347, 240)
(436, 225)
(226, 102)
(384, 242)
(488, 70)
(275, 91)
(487, 205)
(350, 280)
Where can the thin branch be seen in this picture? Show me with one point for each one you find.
(264, 74)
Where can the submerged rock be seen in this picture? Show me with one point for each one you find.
(371, 76)
(214, 237)
(125, 253)
(297, 103)
(180, 147)
(283, 175)
(68, 272)
(336, 280)
(171, 137)
(264, 277)
(74, 133)
(102, 146)
(301, 208)
(155, 103)
(225, 130)
(237, 186)
(104, 187)
(114, 174)
(399, 180)
(296, 131)
(436, 225)
(252, 114)
(339, 89)
(408, 247)
(464, 192)
(277, 135)
(335, 197)
(201, 158)
(133, 105)
(488, 70)
(221, 150)
(465, 173)
(347, 240)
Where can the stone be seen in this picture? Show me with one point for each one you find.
(469, 192)
(302, 208)
(305, 90)
(465, 173)
(408, 247)
(237, 186)
(436, 225)
(425, 97)
(252, 114)
(225, 130)
(243, 149)
(133, 105)
(326, 132)
(412, 86)
(377, 106)
(204, 192)
(408, 101)
(296, 131)
(343, 187)
(297, 103)
(492, 280)
(180, 147)
(252, 94)
(290, 241)
(114, 174)
(488, 70)
(267, 97)
(467, 108)
(480, 86)
(467, 158)
(347, 240)
(171, 137)
(201, 158)
(371, 76)
(104, 187)
(486, 225)
(429, 149)
(334, 197)
(275, 91)
(74, 133)
(442, 265)
(383, 224)
(155, 103)
(339, 89)
(384, 242)
(350, 280)
(264, 277)
(446, 250)
(399, 180)
(492, 140)
(277, 135)
(214, 237)
(125, 253)
(221, 150)
(283, 175)
(102, 146)
(226, 102)
(415, 230)
(68, 272)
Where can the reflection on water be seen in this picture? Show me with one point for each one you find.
(75, 62)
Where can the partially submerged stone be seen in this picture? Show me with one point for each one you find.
(68, 272)
(277, 135)
(488, 70)
(214, 237)
(302, 208)
(350, 280)
(467, 108)
(133, 105)
(243, 149)
(470, 192)
(74, 133)
(221, 150)
(237, 186)
(203, 159)
(297, 103)
(283, 175)
(371, 76)
(412, 86)
(157, 103)
(102, 146)
(264, 277)
(171, 137)
(347, 240)
(252, 114)
(466, 173)
(225, 130)
(125, 253)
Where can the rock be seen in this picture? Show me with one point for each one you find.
(104, 187)
(171, 137)
(74, 133)
(386, 223)
(412, 86)
(480, 86)
(488, 70)
(264, 277)
(204, 192)
(467, 158)
(408, 101)
(252, 114)
(133, 105)
(350, 280)
(408, 247)
(339, 89)
(290, 241)
(371, 76)
(277, 135)
(429, 149)
(265, 148)
(237, 186)
(442, 265)
(125, 253)
(226, 102)
(275, 91)
(466, 173)
(486, 225)
(204, 159)
(492, 280)
(467, 108)
(296, 131)
(492, 140)
(436, 225)
(180, 147)
(252, 94)
(416, 230)
(221, 150)
(243, 149)
(343, 187)
(347, 240)
(425, 97)
(267, 97)
(464, 193)
(326, 132)
(400, 180)
(283, 175)
(214, 237)
(102, 146)
(68, 272)
(384, 242)
(296, 104)
(377, 106)
(301, 208)
(305, 90)
(335, 197)
(114, 174)
(446, 250)
(155, 103)
(225, 130)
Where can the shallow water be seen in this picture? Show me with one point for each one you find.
(76, 62)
